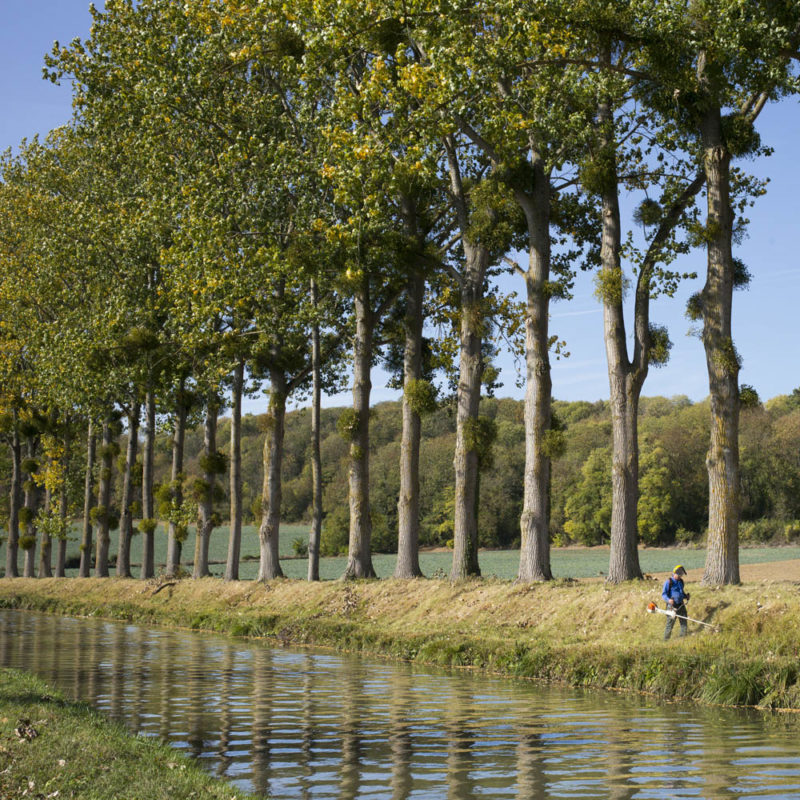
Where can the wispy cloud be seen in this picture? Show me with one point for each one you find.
(577, 313)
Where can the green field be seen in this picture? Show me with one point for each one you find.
(217, 550)
(566, 562)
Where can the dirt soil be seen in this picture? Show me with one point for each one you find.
(760, 573)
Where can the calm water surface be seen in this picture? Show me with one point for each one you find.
(314, 725)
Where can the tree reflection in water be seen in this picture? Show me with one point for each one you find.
(531, 777)
(224, 758)
(400, 735)
(263, 690)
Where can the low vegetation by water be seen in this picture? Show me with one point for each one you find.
(53, 748)
(587, 634)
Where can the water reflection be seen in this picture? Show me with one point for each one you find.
(313, 725)
(530, 766)
(400, 735)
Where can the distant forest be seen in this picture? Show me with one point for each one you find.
(673, 505)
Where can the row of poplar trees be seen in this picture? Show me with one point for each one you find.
(253, 188)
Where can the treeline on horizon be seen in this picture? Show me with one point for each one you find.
(673, 505)
(258, 193)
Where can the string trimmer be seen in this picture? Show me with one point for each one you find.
(652, 608)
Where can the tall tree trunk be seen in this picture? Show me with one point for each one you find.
(316, 452)
(88, 503)
(623, 383)
(12, 551)
(359, 557)
(235, 534)
(624, 401)
(205, 522)
(126, 518)
(176, 534)
(63, 505)
(46, 550)
(61, 553)
(408, 501)
(31, 502)
(268, 534)
(468, 396)
(148, 500)
(534, 557)
(722, 360)
(104, 502)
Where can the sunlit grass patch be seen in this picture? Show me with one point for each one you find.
(51, 747)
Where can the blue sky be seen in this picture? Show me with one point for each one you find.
(765, 328)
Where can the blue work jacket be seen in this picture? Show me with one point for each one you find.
(673, 587)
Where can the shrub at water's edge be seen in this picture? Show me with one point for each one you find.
(65, 749)
(587, 634)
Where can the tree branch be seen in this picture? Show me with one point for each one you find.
(513, 264)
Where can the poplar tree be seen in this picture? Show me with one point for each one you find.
(712, 69)
(376, 110)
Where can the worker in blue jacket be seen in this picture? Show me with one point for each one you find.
(675, 596)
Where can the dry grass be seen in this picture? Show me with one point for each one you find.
(580, 632)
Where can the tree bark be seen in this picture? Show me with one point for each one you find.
(88, 503)
(12, 551)
(61, 553)
(63, 505)
(316, 457)
(46, 550)
(268, 534)
(534, 557)
(175, 536)
(148, 569)
(722, 461)
(624, 401)
(408, 501)
(624, 380)
(126, 518)
(205, 522)
(468, 396)
(31, 503)
(235, 534)
(359, 557)
(104, 503)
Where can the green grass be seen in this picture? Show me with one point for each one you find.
(503, 564)
(217, 549)
(78, 753)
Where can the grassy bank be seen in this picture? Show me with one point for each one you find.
(585, 634)
(51, 747)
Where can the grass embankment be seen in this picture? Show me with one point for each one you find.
(51, 747)
(587, 634)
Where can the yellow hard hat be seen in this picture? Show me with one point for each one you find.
(678, 569)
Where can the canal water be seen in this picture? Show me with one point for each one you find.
(310, 724)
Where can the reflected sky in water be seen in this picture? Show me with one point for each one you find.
(309, 724)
